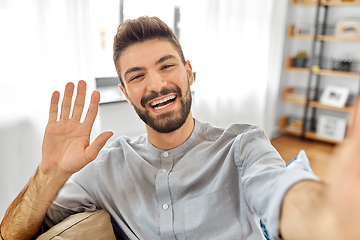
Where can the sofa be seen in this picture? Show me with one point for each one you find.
(87, 225)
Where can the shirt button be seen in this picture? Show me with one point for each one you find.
(165, 206)
(166, 154)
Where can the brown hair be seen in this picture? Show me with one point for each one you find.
(139, 30)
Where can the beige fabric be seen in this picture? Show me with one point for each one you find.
(87, 225)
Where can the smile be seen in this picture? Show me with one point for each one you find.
(163, 103)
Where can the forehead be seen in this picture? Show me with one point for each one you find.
(145, 53)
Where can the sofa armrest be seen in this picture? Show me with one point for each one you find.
(86, 225)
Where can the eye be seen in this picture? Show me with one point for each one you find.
(136, 77)
(167, 66)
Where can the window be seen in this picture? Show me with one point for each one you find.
(106, 15)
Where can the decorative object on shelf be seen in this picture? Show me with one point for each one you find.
(331, 127)
(348, 28)
(315, 68)
(302, 29)
(341, 62)
(295, 126)
(334, 96)
(301, 59)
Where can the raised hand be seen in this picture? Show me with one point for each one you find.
(66, 145)
(345, 179)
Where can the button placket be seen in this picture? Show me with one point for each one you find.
(164, 197)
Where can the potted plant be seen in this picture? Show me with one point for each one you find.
(301, 59)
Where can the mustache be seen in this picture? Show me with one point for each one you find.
(165, 91)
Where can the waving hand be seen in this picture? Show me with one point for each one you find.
(66, 145)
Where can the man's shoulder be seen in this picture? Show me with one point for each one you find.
(120, 146)
(209, 131)
(123, 141)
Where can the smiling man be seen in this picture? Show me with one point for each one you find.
(184, 179)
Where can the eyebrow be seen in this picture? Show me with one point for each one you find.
(134, 69)
(161, 60)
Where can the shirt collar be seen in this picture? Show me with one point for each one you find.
(182, 149)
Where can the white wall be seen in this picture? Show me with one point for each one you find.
(43, 45)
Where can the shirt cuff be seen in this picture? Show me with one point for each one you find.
(291, 177)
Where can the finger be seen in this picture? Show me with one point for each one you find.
(93, 108)
(79, 101)
(354, 123)
(93, 150)
(54, 106)
(66, 103)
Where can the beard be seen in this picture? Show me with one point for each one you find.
(170, 121)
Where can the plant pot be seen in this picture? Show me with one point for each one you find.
(300, 62)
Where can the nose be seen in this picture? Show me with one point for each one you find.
(155, 81)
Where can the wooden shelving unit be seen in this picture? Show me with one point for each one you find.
(310, 98)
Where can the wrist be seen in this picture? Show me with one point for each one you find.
(52, 177)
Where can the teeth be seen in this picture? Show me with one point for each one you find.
(153, 104)
(161, 107)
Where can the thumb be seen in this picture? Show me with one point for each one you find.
(93, 150)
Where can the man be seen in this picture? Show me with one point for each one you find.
(184, 179)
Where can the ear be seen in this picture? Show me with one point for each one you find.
(189, 71)
(125, 93)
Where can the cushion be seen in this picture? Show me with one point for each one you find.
(86, 225)
(300, 162)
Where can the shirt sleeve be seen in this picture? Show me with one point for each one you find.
(265, 178)
(77, 195)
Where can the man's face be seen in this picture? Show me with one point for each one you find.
(157, 84)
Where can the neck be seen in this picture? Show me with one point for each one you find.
(166, 141)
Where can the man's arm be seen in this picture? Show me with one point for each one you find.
(306, 213)
(315, 210)
(66, 150)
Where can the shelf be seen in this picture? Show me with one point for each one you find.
(340, 3)
(289, 96)
(289, 66)
(325, 3)
(338, 38)
(319, 105)
(304, 3)
(285, 128)
(293, 35)
(326, 72)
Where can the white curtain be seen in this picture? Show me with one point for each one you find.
(43, 45)
(235, 47)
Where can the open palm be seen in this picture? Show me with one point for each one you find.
(66, 145)
(345, 179)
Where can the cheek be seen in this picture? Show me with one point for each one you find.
(135, 95)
